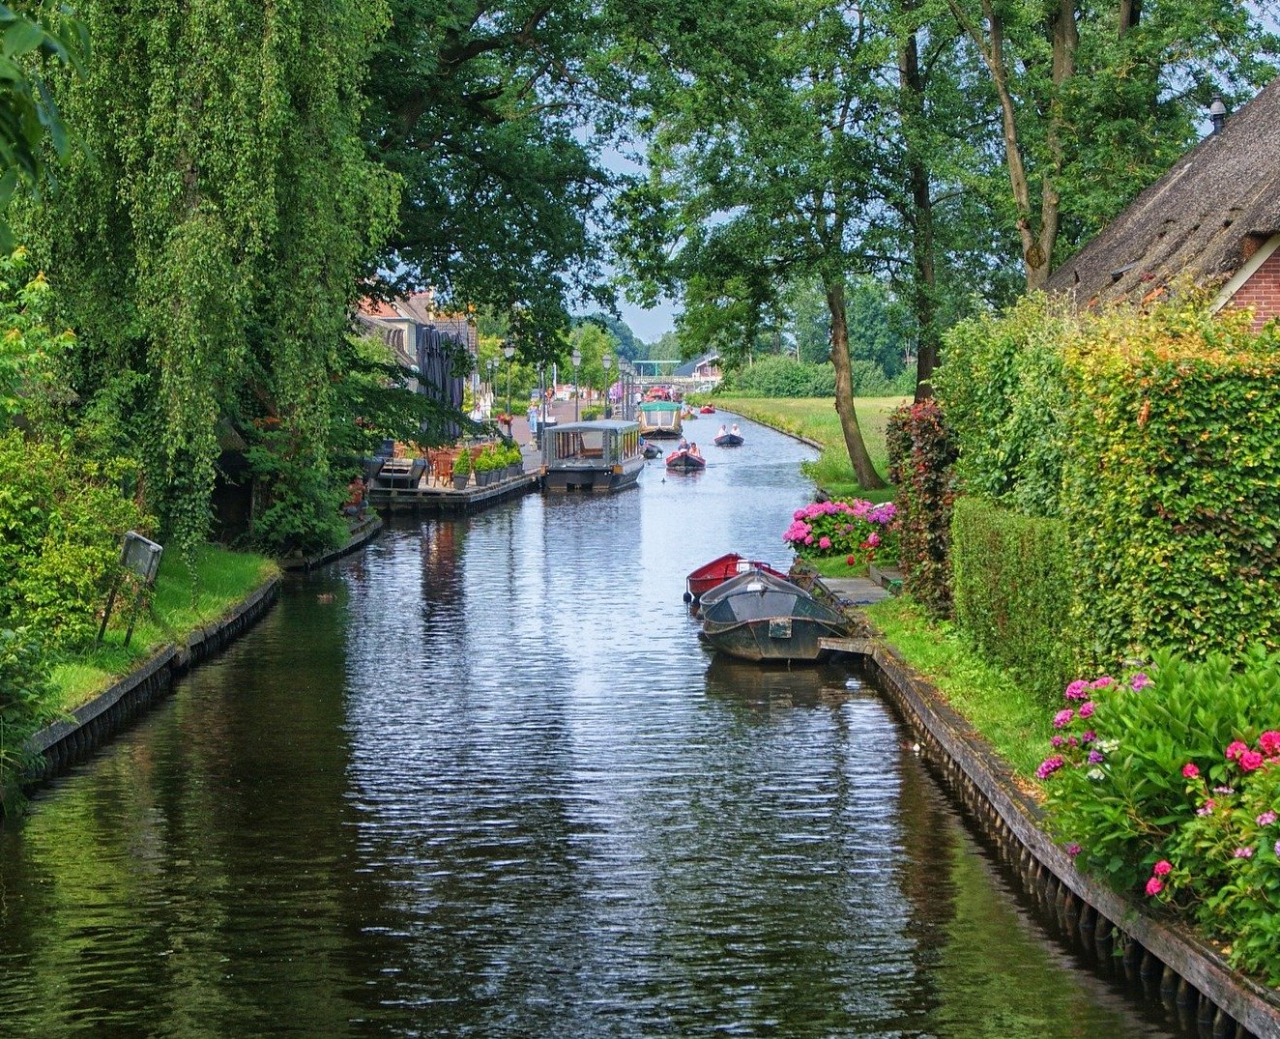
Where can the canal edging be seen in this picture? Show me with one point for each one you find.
(1190, 976)
(69, 740)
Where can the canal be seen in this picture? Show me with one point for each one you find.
(480, 780)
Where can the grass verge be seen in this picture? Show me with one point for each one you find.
(1010, 717)
(187, 596)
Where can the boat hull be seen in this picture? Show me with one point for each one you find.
(592, 480)
(729, 440)
(683, 462)
(771, 638)
(715, 573)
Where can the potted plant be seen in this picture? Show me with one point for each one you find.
(462, 469)
(484, 465)
(514, 461)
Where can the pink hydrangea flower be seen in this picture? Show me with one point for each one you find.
(1243, 853)
(1139, 681)
(1105, 682)
(1269, 743)
(1154, 886)
(1250, 760)
(1056, 741)
(1096, 757)
(1073, 849)
(1077, 690)
(1266, 818)
(1063, 718)
(1162, 868)
(873, 539)
(1206, 808)
(1086, 709)
(1190, 771)
(1235, 749)
(1049, 766)
(824, 542)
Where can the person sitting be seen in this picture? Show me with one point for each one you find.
(723, 431)
(734, 429)
(354, 505)
(693, 450)
(683, 445)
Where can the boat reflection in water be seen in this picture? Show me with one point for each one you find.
(769, 686)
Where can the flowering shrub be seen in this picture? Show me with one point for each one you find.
(855, 529)
(1168, 785)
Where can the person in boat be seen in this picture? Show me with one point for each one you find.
(693, 450)
(683, 445)
(734, 429)
(354, 505)
(723, 431)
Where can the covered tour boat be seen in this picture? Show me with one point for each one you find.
(599, 456)
(757, 616)
(659, 420)
(683, 462)
(711, 575)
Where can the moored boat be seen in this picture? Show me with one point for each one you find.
(600, 456)
(757, 616)
(659, 419)
(715, 573)
(683, 462)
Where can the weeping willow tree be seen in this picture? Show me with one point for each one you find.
(208, 241)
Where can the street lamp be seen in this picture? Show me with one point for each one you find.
(607, 361)
(577, 360)
(508, 351)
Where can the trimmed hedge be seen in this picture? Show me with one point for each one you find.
(1172, 483)
(921, 456)
(1011, 586)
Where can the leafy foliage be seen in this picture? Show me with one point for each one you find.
(1006, 402)
(922, 456)
(856, 530)
(209, 250)
(24, 706)
(1170, 789)
(1011, 587)
(28, 348)
(776, 376)
(1172, 483)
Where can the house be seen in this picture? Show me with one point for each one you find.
(424, 340)
(703, 369)
(1212, 221)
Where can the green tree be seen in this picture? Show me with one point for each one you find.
(764, 168)
(485, 113)
(208, 253)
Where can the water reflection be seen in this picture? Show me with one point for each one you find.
(482, 780)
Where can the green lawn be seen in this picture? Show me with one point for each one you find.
(186, 597)
(815, 418)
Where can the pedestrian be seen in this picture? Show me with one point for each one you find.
(354, 506)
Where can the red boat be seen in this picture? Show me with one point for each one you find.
(715, 573)
(683, 462)
(708, 409)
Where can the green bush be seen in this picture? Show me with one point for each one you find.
(24, 707)
(62, 518)
(1172, 483)
(1002, 388)
(1168, 791)
(1011, 588)
(778, 376)
(921, 460)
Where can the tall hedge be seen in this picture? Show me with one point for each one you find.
(1011, 587)
(1172, 482)
(921, 457)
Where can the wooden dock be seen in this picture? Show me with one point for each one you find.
(443, 499)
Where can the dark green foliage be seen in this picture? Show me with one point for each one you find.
(1006, 402)
(921, 460)
(1011, 587)
(24, 706)
(1172, 483)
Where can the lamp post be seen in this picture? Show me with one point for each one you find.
(508, 351)
(607, 361)
(577, 360)
(492, 365)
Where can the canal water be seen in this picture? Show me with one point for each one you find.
(480, 780)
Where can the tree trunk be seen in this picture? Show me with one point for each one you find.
(868, 478)
(911, 84)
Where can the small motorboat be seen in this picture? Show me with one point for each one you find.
(756, 616)
(708, 409)
(715, 573)
(729, 440)
(650, 450)
(683, 462)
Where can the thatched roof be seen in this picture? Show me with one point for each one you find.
(1199, 223)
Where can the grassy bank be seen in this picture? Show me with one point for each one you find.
(815, 418)
(186, 597)
(1008, 716)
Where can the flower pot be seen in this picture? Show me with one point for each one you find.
(460, 480)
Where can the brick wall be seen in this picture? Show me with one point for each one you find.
(1262, 291)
